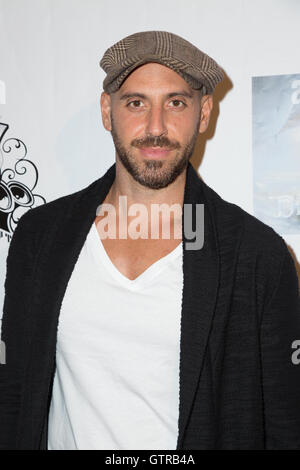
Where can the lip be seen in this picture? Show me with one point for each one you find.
(154, 151)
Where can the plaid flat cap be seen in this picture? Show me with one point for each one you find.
(197, 68)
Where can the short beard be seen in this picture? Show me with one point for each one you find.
(151, 177)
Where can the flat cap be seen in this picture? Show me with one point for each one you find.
(197, 68)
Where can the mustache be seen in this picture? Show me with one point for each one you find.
(155, 142)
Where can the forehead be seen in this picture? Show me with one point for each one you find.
(152, 75)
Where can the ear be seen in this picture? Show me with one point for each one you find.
(206, 108)
(105, 102)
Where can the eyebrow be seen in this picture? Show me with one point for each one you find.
(124, 96)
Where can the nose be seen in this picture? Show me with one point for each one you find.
(156, 121)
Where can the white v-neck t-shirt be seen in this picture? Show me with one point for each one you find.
(116, 383)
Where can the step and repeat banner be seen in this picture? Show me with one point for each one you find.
(52, 141)
(276, 151)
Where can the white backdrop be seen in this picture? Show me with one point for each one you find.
(50, 83)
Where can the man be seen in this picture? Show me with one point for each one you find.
(131, 342)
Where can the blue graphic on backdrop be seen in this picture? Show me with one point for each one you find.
(18, 178)
(276, 151)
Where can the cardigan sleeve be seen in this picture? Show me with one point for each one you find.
(19, 269)
(280, 328)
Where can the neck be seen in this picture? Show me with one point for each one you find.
(125, 185)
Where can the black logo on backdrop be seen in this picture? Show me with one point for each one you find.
(18, 179)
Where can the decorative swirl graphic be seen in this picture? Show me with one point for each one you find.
(16, 147)
(18, 178)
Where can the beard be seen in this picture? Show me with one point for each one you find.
(155, 174)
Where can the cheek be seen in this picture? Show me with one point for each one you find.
(181, 129)
(184, 123)
(130, 127)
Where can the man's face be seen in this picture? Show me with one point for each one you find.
(154, 109)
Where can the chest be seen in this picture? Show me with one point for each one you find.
(133, 256)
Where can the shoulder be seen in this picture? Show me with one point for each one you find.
(259, 245)
(34, 224)
(39, 217)
(256, 234)
(263, 255)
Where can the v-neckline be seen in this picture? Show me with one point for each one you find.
(143, 279)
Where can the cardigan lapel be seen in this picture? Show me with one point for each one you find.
(58, 258)
(200, 287)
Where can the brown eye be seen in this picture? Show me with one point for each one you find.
(178, 101)
(135, 101)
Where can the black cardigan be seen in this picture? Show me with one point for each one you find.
(239, 388)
